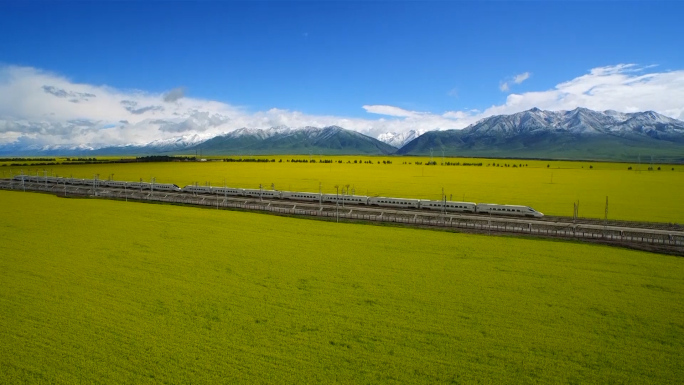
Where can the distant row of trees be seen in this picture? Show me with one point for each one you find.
(28, 159)
(649, 168)
(355, 161)
(31, 164)
(249, 160)
(507, 165)
(434, 163)
(164, 158)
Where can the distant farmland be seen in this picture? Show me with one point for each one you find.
(114, 292)
(636, 194)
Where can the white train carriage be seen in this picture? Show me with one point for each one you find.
(197, 189)
(41, 179)
(113, 183)
(258, 193)
(226, 191)
(394, 202)
(88, 182)
(165, 187)
(138, 185)
(300, 196)
(462, 207)
(513, 210)
(346, 199)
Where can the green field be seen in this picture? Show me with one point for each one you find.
(633, 195)
(96, 291)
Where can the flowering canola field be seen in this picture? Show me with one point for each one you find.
(548, 186)
(95, 291)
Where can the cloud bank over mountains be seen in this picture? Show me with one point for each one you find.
(42, 108)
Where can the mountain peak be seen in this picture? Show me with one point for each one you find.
(400, 139)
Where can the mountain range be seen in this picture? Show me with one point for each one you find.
(577, 134)
(285, 140)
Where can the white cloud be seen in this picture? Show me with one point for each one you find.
(391, 111)
(517, 79)
(38, 107)
(505, 86)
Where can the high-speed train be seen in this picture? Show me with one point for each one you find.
(448, 206)
(99, 182)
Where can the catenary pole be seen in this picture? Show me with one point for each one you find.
(337, 203)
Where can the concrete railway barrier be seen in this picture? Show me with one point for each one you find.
(673, 240)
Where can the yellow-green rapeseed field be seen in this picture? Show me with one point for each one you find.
(636, 194)
(95, 291)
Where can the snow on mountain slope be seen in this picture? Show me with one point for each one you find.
(578, 121)
(399, 139)
(177, 142)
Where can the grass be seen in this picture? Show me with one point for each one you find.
(114, 292)
(633, 195)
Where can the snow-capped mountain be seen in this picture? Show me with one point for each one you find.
(285, 140)
(577, 121)
(17, 149)
(177, 143)
(400, 139)
(259, 133)
(571, 134)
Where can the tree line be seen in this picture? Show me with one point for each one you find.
(164, 158)
(28, 159)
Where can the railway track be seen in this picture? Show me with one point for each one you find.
(668, 238)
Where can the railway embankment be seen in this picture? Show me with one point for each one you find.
(665, 238)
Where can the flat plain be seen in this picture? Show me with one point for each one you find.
(548, 186)
(96, 291)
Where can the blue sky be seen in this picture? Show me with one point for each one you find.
(327, 59)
